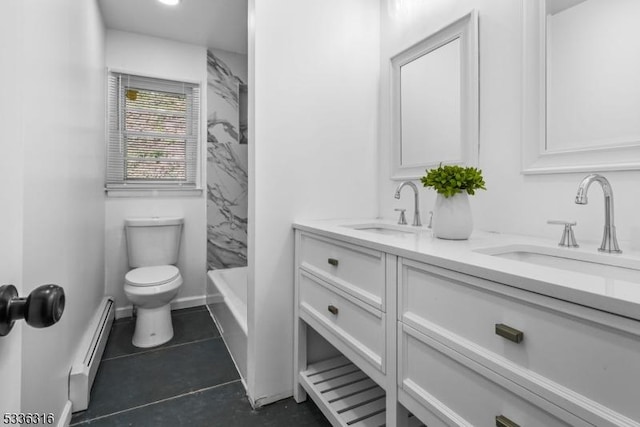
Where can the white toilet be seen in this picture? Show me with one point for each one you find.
(152, 248)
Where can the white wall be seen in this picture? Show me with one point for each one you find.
(133, 53)
(513, 203)
(11, 194)
(313, 81)
(60, 105)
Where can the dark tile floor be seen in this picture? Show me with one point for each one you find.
(189, 381)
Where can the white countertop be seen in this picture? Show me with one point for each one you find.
(621, 297)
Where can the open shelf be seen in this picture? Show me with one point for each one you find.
(345, 394)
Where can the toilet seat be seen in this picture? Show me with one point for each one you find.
(152, 276)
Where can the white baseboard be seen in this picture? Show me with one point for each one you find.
(188, 302)
(185, 302)
(262, 401)
(65, 415)
(214, 299)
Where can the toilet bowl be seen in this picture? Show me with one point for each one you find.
(150, 290)
(152, 249)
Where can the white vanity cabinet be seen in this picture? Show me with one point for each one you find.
(444, 388)
(471, 350)
(357, 270)
(354, 324)
(451, 348)
(346, 293)
(341, 294)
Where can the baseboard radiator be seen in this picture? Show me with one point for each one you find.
(85, 365)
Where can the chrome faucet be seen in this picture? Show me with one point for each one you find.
(609, 242)
(416, 211)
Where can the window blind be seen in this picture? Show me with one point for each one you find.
(153, 132)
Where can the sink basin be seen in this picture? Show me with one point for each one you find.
(595, 264)
(387, 229)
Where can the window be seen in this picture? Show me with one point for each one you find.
(153, 133)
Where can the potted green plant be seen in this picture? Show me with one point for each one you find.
(452, 212)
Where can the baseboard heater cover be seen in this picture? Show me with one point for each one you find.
(85, 365)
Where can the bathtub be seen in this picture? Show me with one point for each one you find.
(227, 301)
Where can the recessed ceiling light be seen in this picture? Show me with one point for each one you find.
(170, 2)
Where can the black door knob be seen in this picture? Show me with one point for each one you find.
(43, 307)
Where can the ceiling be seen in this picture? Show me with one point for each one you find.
(219, 24)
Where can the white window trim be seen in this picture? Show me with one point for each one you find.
(149, 193)
(160, 189)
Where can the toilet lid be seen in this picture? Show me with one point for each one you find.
(152, 276)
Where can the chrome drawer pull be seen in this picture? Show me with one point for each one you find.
(509, 333)
(333, 262)
(502, 421)
(333, 309)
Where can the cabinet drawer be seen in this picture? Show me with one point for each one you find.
(359, 326)
(593, 360)
(449, 393)
(357, 270)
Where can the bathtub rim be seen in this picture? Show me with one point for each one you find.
(230, 298)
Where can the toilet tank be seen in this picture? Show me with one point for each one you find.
(153, 241)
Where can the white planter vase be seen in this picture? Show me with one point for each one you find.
(452, 217)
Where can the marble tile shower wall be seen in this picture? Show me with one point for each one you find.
(227, 162)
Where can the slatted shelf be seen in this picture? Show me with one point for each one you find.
(346, 396)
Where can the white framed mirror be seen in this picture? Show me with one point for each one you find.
(434, 95)
(581, 88)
